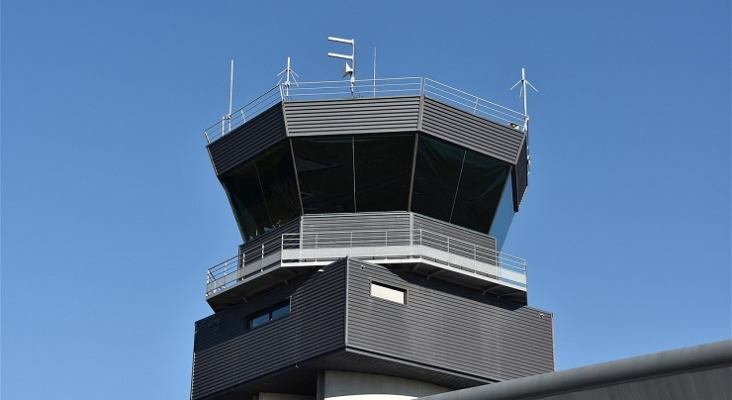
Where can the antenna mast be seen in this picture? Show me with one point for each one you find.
(227, 117)
(522, 92)
(348, 69)
(288, 72)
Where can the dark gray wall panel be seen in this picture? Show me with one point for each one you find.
(475, 133)
(355, 222)
(447, 327)
(250, 139)
(453, 231)
(352, 116)
(520, 175)
(226, 354)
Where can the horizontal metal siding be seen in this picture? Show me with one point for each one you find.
(355, 222)
(520, 178)
(288, 227)
(447, 327)
(231, 355)
(352, 116)
(250, 139)
(453, 231)
(475, 133)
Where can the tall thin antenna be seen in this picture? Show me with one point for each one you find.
(348, 70)
(288, 73)
(374, 71)
(227, 117)
(522, 92)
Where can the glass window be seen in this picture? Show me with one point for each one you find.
(456, 185)
(263, 194)
(269, 314)
(504, 215)
(479, 192)
(354, 173)
(325, 171)
(388, 293)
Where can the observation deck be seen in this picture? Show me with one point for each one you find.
(407, 148)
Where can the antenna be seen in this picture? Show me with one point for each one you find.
(522, 92)
(374, 71)
(227, 117)
(348, 69)
(288, 72)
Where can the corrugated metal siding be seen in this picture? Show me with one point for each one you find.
(355, 222)
(352, 116)
(453, 231)
(288, 227)
(473, 132)
(447, 327)
(250, 139)
(520, 178)
(231, 355)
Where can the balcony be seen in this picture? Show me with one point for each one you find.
(422, 251)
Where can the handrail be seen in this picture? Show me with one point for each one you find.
(324, 247)
(365, 88)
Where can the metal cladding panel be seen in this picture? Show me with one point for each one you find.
(355, 222)
(475, 133)
(228, 356)
(520, 176)
(352, 116)
(287, 227)
(453, 231)
(446, 327)
(250, 139)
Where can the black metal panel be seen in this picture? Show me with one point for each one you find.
(447, 327)
(352, 116)
(228, 356)
(520, 177)
(470, 131)
(250, 139)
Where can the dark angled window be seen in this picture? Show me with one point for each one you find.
(504, 215)
(272, 313)
(354, 173)
(456, 185)
(264, 192)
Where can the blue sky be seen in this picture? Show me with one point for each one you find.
(111, 212)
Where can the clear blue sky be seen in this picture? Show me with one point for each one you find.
(111, 212)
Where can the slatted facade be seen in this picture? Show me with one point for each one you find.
(228, 356)
(352, 116)
(470, 131)
(447, 327)
(254, 137)
(444, 333)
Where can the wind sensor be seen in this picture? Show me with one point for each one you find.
(348, 69)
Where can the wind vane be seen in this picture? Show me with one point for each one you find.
(348, 69)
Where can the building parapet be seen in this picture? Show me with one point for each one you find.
(416, 246)
(368, 88)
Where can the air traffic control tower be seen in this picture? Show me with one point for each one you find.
(372, 214)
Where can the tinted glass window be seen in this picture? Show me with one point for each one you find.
(504, 215)
(263, 193)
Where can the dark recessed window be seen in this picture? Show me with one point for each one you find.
(269, 314)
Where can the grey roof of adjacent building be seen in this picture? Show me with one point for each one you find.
(697, 372)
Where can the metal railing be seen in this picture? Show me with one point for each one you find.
(390, 246)
(367, 88)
